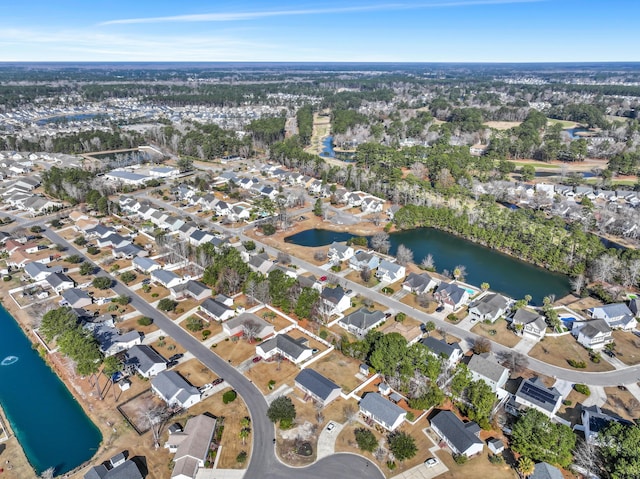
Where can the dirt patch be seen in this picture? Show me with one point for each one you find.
(235, 350)
(340, 369)
(627, 347)
(502, 125)
(622, 403)
(498, 332)
(283, 372)
(559, 350)
(135, 408)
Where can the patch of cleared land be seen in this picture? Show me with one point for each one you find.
(627, 347)
(340, 369)
(622, 403)
(559, 350)
(564, 123)
(321, 129)
(498, 332)
(264, 371)
(502, 125)
(235, 350)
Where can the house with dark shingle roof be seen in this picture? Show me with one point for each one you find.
(382, 411)
(452, 295)
(532, 393)
(315, 385)
(236, 326)
(362, 321)
(462, 438)
(119, 468)
(451, 353)
(339, 252)
(145, 265)
(419, 283)
(175, 390)
(166, 278)
(192, 289)
(533, 325)
(76, 298)
(594, 421)
(336, 299)
(483, 367)
(216, 310)
(544, 470)
(489, 307)
(389, 272)
(617, 316)
(295, 350)
(594, 334)
(364, 260)
(59, 282)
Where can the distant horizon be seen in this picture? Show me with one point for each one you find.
(314, 31)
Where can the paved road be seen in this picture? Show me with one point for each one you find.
(627, 375)
(264, 463)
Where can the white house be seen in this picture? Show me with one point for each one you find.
(389, 272)
(336, 299)
(362, 321)
(295, 350)
(191, 446)
(419, 283)
(382, 411)
(483, 368)
(127, 178)
(594, 334)
(489, 307)
(216, 310)
(529, 323)
(339, 252)
(145, 360)
(237, 326)
(317, 387)
(164, 172)
(371, 204)
(617, 316)
(452, 353)
(59, 282)
(462, 438)
(145, 265)
(532, 393)
(168, 279)
(175, 390)
(594, 421)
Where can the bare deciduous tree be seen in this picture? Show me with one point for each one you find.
(604, 268)
(155, 417)
(283, 258)
(427, 262)
(350, 413)
(404, 255)
(516, 362)
(481, 345)
(578, 283)
(380, 242)
(250, 330)
(587, 458)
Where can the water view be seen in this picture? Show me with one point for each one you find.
(327, 148)
(50, 425)
(68, 118)
(504, 273)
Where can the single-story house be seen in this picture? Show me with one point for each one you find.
(38, 271)
(594, 334)
(482, 367)
(382, 411)
(419, 283)
(238, 325)
(192, 289)
(533, 393)
(110, 340)
(260, 263)
(364, 260)
(339, 252)
(59, 282)
(129, 251)
(315, 385)
(175, 390)
(389, 272)
(362, 321)
(168, 279)
(462, 438)
(336, 299)
(451, 353)
(544, 470)
(529, 323)
(145, 360)
(617, 316)
(191, 446)
(119, 468)
(76, 298)
(452, 295)
(217, 311)
(145, 265)
(295, 350)
(489, 307)
(164, 172)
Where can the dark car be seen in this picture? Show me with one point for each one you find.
(175, 357)
(171, 364)
(439, 309)
(217, 381)
(257, 359)
(146, 281)
(622, 388)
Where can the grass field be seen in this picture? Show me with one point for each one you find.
(559, 350)
(497, 332)
(564, 123)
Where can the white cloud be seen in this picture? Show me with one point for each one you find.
(239, 16)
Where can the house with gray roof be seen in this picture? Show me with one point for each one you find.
(317, 387)
(389, 272)
(191, 289)
(145, 265)
(310, 282)
(145, 360)
(119, 468)
(529, 323)
(594, 334)
(216, 310)
(339, 252)
(127, 178)
(175, 390)
(452, 295)
(544, 470)
(260, 263)
(617, 316)
(38, 271)
(59, 282)
(191, 446)
(238, 325)
(489, 307)
(532, 393)
(362, 321)
(419, 283)
(462, 438)
(336, 299)
(76, 298)
(451, 353)
(113, 240)
(484, 367)
(166, 278)
(382, 411)
(295, 350)
(362, 260)
(594, 421)
(110, 340)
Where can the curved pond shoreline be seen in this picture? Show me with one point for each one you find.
(504, 273)
(50, 425)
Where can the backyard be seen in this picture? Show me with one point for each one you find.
(498, 332)
(627, 347)
(263, 372)
(559, 350)
(340, 369)
(235, 350)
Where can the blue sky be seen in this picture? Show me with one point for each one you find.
(320, 30)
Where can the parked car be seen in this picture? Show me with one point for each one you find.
(439, 309)
(432, 461)
(622, 388)
(330, 426)
(257, 359)
(146, 281)
(323, 278)
(171, 364)
(175, 357)
(217, 381)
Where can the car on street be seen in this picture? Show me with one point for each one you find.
(257, 359)
(217, 381)
(439, 309)
(330, 426)
(432, 461)
(323, 278)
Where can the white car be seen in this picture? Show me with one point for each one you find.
(432, 461)
(330, 426)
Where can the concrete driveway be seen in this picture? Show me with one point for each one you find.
(422, 471)
(327, 439)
